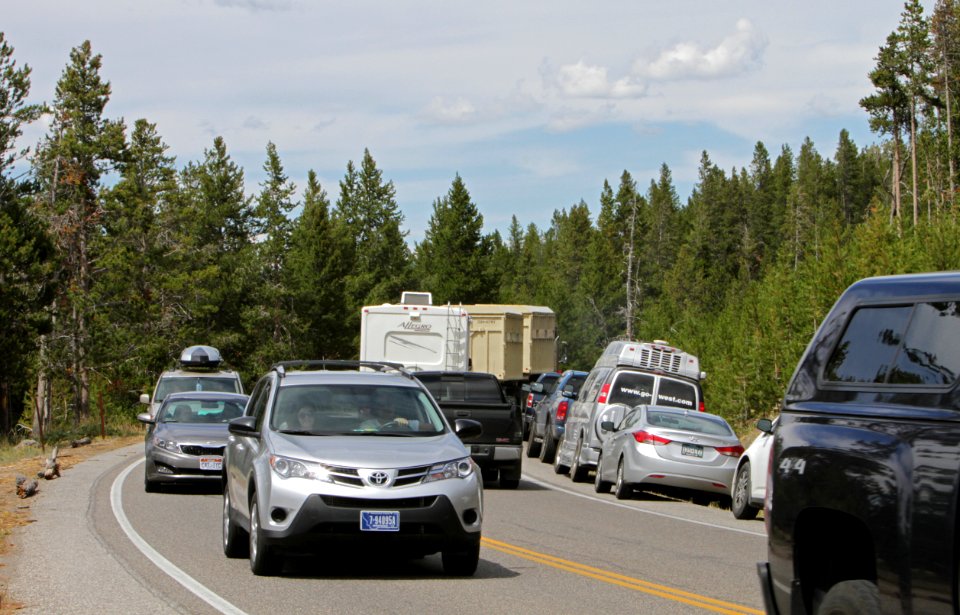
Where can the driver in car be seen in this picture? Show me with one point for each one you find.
(378, 413)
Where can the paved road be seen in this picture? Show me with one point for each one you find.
(551, 546)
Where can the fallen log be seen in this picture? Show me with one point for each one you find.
(81, 442)
(51, 469)
(26, 488)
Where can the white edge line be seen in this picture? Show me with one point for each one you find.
(541, 483)
(178, 575)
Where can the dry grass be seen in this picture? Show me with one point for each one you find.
(15, 512)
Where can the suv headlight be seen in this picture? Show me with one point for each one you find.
(461, 468)
(285, 467)
(167, 445)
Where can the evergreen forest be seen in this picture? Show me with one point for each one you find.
(114, 256)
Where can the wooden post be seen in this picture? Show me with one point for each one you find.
(103, 427)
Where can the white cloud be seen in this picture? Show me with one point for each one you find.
(581, 80)
(738, 53)
(455, 111)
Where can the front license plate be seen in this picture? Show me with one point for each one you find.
(211, 463)
(379, 521)
(693, 450)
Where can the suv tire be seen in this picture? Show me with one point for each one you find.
(858, 597)
(263, 561)
(533, 447)
(578, 473)
(235, 541)
(549, 449)
(740, 504)
(461, 562)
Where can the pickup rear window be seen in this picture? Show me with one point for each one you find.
(483, 390)
(900, 345)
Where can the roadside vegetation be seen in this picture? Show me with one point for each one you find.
(114, 256)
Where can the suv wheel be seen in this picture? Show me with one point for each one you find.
(578, 473)
(740, 506)
(621, 489)
(263, 561)
(858, 597)
(462, 562)
(600, 485)
(234, 539)
(549, 449)
(533, 447)
(558, 466)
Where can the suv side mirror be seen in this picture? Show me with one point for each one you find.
(765, 425)
(467, 428)
(144, 398)
(243, 426)
(145, 417)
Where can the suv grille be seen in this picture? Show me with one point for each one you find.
(351, 476)
(397, 503)
(654, 359)
(193, 449)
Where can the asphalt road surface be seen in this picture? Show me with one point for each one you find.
(102, 545)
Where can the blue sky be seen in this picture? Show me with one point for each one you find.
(534, 104)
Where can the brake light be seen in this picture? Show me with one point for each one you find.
(702, 407)
(530, 400)
(562, 410)
(730, 451)
(604, 392)
(644, 437)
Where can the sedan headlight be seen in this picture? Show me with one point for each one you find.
(461, 468)
(167, 445)
(285, 467)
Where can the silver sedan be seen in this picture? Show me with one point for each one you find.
(185, 442)
(653, 446)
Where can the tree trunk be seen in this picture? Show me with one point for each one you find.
(913, 159)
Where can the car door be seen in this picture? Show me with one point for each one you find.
(243, 450)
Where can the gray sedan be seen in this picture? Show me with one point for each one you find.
(653, 446)
(185, 442)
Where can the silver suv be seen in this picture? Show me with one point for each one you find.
(350, 453)
(199, 371)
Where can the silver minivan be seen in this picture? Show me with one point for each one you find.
(335, 453)
(628, 373)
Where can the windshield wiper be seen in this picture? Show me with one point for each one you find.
(299, 432)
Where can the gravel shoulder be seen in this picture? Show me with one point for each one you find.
(55, 561)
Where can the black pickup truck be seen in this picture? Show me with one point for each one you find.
(862, 500)
(479, 396)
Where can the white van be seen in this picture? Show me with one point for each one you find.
(628, 374)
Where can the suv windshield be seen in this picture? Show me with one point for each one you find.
(180, 384)
(341, 409)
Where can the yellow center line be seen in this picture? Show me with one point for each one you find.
(662, 591)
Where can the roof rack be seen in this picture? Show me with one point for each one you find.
(326, 364)
(655, 356)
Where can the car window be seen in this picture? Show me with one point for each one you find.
(351, 409)
(200, 411)
(676, 394)
(258, 400)
(593, 384)
(630, 419)
(181, 384)
(483, 390)
(549, 383)
(631, 388)
(697, 422)
(901, 344)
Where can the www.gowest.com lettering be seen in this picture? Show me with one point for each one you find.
(675, 400)
(636, 393)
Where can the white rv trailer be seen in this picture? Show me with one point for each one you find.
(416, 334)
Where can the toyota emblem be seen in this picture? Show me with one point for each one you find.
(379, 478)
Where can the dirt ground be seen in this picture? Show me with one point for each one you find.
(15, 512)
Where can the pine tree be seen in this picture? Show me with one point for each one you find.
(26, 281)
(82, 146)
(452, 260)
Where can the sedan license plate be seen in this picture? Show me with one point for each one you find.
(692, 450)
(211, 463)
(379, 521)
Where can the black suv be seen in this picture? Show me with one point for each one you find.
(862, 504)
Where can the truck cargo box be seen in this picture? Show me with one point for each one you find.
(538, 352)
(420, 337)
(496, 342)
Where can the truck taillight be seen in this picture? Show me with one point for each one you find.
(730, 451)
(529, 400)
(644, 437)
(562, 410)
(702, 407)
(604, 392)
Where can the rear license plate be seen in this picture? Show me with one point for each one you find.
(211, 463)
(379, 521)
(692, 450)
